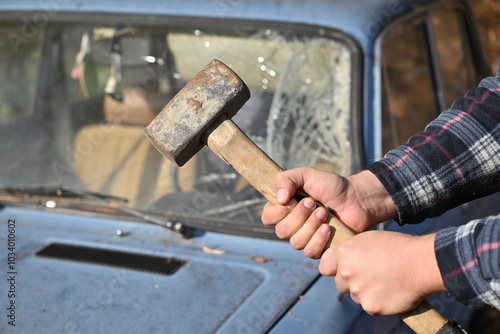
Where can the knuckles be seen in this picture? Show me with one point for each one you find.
(372, 308)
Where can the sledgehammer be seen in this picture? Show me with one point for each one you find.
(200, 114)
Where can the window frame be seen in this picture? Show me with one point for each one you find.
(424, 16)
(356, 89)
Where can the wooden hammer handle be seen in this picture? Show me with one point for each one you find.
(228, 142)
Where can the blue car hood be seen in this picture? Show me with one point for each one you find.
(222, 283)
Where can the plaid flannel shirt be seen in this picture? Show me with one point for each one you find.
(455, 160)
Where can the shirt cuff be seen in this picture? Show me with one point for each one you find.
(468, 259)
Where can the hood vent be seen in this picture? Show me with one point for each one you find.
(112, 258)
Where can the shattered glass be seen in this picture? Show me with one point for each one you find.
(93, 89)
(310, 116)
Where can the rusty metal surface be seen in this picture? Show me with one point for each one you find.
(214, 91)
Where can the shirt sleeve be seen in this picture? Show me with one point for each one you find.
(469, 260)
(455, 160)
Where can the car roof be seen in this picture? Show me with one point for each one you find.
(362, 19)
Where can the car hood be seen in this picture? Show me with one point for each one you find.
(221, 283)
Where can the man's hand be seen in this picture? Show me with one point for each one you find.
(386, 272)
(359, 201)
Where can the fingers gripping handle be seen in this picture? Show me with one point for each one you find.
(227, 141)
(340, 232)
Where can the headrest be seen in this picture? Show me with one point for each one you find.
(138, 107)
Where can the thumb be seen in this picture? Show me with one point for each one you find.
(287, 182)
(306, 178)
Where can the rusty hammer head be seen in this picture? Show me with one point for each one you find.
(176, 131)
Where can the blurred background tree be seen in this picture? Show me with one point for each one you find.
(487, 13)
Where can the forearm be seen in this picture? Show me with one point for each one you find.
(469, 261)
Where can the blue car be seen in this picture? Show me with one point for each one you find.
(99, 233)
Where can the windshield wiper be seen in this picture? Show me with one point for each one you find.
(174, 225)
(69, 192)
(60, 191)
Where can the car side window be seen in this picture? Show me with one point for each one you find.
(427, 63)
(407, 103)
(455, 54)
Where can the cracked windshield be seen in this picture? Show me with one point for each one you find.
(79, 97)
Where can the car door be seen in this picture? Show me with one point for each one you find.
(428, 61)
